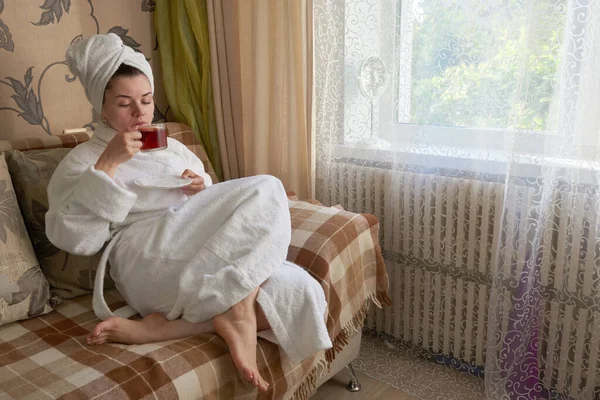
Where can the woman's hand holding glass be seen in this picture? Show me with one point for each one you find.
(122, 147)
(197, 184)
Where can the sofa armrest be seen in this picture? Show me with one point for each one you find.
(340, 249)
(68, 140)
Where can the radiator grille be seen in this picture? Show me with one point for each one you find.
(439, 234)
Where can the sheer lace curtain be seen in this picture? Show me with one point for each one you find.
(471, 130)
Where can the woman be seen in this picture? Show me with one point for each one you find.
(198, 259)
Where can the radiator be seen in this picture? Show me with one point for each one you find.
(438, 235)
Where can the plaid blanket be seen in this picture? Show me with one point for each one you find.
(46, 357)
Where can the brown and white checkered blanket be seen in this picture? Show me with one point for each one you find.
(46, 357)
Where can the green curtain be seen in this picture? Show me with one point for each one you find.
(182, 34)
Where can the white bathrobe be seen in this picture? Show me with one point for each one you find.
(190, 258)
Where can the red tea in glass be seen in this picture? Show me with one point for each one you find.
(154, 137)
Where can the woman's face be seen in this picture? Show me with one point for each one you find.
(128, 103)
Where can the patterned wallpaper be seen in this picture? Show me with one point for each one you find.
(38, 94)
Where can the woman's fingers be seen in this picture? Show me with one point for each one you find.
(192, 191)
(133, 135)
(121, 148)
(197, 184)
(133, 140)
(188, 173)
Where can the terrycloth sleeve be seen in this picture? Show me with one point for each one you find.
(83, 202)
(191, 161)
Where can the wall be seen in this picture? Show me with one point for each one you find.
(38, 94)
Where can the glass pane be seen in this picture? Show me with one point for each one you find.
(482, 64)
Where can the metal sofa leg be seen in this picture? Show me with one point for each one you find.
(354, 384)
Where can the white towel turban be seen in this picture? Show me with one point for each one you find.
(95, 60)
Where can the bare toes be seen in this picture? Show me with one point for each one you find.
(96, 340)
(263, 386)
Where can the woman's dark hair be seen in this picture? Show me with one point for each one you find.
(123, 70)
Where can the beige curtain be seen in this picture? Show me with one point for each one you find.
(261, 54)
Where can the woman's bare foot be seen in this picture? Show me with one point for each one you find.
(121, 330)
(153, 328)
(238, 327)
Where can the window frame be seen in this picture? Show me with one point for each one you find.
(399, 132)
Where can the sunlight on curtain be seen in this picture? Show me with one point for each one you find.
(275, 46)
(262, 51)
(182, 35)
(471, 130)
(225, 61)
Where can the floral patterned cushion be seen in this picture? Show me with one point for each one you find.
(23, 288)
(69, 275)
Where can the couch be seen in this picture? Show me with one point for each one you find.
(46, 310)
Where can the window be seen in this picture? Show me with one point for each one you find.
(461, 63)
(465, 70)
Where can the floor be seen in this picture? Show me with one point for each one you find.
(386, 372)
(372, 389)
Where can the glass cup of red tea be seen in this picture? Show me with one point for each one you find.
(154, 137)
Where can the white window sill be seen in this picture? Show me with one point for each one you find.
(462, 158)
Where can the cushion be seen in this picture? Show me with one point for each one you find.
(24, 291)
(69, 275)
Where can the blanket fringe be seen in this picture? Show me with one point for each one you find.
(383, 300)
(308, 385)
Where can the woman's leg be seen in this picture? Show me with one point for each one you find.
(237, 326)
(153, 328)
(295, 305)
